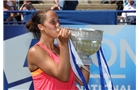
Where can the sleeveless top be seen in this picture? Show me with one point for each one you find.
(43, 81)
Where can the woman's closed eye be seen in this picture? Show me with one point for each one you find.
(53, 22)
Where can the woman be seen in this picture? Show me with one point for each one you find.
(7, 15)
(50, 65)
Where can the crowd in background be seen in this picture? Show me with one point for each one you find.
(27, 5)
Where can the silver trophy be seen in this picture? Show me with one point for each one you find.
(86, 42)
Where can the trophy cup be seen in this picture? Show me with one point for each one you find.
(86, 42)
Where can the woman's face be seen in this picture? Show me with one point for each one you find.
(51, 24)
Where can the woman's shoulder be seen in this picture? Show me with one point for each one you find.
(36, 54)
(36, 51)
(33, 49)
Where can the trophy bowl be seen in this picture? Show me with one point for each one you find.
(86, 42)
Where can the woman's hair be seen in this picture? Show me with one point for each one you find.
(38, 18)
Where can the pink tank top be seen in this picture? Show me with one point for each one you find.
(43, 81)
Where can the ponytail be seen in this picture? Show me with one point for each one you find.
(32, 27)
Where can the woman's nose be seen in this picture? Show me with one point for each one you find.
(58, 24)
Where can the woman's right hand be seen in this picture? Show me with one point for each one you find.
(63, 35)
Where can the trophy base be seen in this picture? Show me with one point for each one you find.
(86, 60)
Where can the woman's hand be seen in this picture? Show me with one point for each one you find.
(63, 35)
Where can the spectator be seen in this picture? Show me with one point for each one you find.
(129, 17)
(7, 16)
(65, 5)
(14, 5)
(120, 6)
(26, 6)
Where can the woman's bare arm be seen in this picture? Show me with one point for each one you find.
(38, 57)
